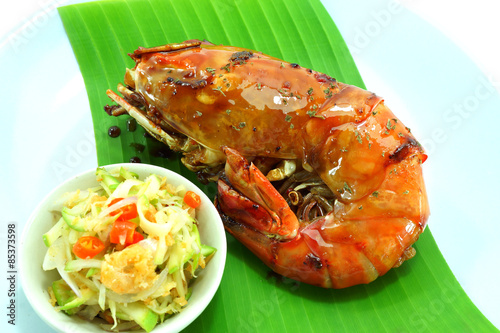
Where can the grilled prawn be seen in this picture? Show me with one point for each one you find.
(318, 178)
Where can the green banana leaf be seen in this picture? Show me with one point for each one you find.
(420, 296)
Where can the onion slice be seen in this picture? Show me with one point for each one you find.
(69, 281)
(79, 264)
(56, 258)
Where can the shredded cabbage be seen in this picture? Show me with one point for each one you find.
(170, 249)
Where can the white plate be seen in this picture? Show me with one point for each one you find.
(451, 106)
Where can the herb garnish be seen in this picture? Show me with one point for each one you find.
(312, 113)
(358, 136)
(389, 125)
(219, 88)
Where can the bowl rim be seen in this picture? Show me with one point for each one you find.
(176, 325)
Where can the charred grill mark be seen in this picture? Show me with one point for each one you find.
(323, 78)
(240, 57)
(226, 220)
(210, 174)
(195, 84)
(405, 149)
(154, 115)
(294, 65)
(371, 97)
(313, 261)
(223, 177)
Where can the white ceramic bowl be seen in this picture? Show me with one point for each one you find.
(32, 251)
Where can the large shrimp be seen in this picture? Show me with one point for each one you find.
(318, 178)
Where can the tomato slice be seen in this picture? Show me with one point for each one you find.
(87, 247)
(122, 232)
(129, 212)
(137, 238)
(192, 199)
